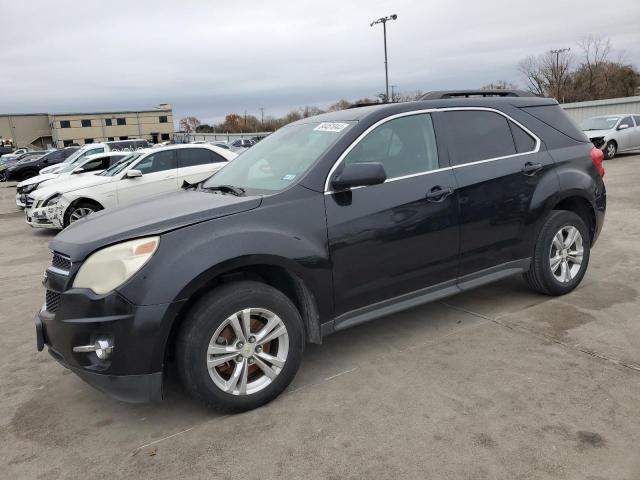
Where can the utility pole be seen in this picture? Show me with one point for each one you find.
(262, 118)
(557, 53)
(393, 93)
(383, 21)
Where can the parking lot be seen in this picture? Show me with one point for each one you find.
(495, 383)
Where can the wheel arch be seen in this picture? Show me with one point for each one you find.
(273, 271)
(579, 204)
(78, 200)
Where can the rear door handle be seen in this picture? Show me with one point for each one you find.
(438, 193)
(531, 169)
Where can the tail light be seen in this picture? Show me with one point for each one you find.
(597, 157)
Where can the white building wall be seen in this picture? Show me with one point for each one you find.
(580, 111)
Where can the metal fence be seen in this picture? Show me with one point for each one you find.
(181, 137)
(580, 111)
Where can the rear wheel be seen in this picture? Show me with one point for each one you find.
(610, 150)
(27, 175)
(80, 210)
(240, 346)
(561, 254)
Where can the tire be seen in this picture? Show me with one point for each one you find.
(610, 150)
(207, 326)
(542, 277)
(78, 211)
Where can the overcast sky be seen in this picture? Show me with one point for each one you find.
(209, 58)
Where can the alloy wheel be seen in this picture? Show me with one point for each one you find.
(79, 213)
(611, 150)
(247, 351)
(565, 254)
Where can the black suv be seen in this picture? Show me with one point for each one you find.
(29, 167)
(330, 222)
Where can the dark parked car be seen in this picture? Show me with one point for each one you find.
(29, 167)
(10, 160)
(329, 222)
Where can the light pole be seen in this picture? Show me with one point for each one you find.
(393, 93)
(262, 118)
(383, 21)
(557, 53)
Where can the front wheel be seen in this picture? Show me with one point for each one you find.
(79, 211)
(561, 254)
(240, 346)
(610, 150)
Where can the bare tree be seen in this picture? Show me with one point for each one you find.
(532, 71)
(596, 51)
(500, 85)
(547, 75)
(189, 124)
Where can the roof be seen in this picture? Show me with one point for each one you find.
(356, 114)
(116, 112)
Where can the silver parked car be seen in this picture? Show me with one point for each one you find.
(613, 133)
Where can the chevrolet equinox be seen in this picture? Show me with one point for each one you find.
(329, 222)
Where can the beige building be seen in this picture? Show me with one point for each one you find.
(61, 130)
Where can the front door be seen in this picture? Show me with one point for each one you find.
(497, 166)
(159, 175)
(625, 136)
(400, 236)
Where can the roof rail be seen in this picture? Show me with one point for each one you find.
(441, 94)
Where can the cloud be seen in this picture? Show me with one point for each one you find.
(210, 58)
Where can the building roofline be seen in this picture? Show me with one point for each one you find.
(23, 114)
(606, 101)
(154, 110)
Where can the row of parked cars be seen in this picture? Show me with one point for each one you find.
(104, 175)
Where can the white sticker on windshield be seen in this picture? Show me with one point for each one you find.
(331, 127)
(289, 176)
(612, 119)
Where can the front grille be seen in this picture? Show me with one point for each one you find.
(52, 300)
(61, 262)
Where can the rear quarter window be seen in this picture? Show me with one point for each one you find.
(556, 118)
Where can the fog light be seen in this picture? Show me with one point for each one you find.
(102, 348)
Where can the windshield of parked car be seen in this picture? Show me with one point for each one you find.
(118, 167)
(280, 159)
(599, 123)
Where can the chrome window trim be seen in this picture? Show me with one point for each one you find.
(536, 149)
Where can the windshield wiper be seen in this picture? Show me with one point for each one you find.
(237, 191)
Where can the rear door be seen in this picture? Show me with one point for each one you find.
(401, 236)
(636, 132)
(159, 175)
(196, 164)
(497, 166)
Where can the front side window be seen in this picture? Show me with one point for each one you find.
(637, 119)
(627, 121)
(118, 167)
(157, 162)
(404, 146)
(95, 164)
(280, 159)
(476, 135)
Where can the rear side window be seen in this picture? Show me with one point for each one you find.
(476, 135)
(524, 141)
(191, 157)
(404, 146)
(157, 162)
(637, 119)
(555, 117)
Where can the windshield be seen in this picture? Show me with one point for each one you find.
(280, 159)
(600, 123)
(118, 167)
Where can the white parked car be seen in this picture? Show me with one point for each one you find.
(95, 148)
(140, 174)
(86, 165)
(613, 133)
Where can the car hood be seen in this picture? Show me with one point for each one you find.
(69, 184)
(153, 216)
(53, 168)
(37, 179)
(596, 133)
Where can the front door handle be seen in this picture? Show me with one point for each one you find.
(531, 169)
(438, 193)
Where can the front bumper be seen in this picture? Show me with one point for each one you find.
(75, 317)
(21, 200)
(44, 217)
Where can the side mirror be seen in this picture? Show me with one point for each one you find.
(359, 175)
(78, 170)
(45, 161)
(622, 126)
(133, 174)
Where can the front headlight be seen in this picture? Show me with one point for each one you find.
(107, 269)
(53, 200)
(30, 188)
